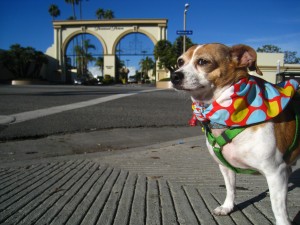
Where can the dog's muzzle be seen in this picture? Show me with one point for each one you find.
(177, 77)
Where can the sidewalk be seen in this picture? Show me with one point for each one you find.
(174, 182)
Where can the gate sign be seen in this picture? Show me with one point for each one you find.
(184, 32)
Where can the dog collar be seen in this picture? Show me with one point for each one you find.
(249, 101)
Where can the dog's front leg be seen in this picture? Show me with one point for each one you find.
(228, 205)
(278, 186)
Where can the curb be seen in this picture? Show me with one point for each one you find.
(6, 119)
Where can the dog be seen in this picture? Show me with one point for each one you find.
(216, 75)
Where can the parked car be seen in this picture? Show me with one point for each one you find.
(86, 79)
(77, 81)
(132, 79)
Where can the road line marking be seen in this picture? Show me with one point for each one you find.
(30, 115)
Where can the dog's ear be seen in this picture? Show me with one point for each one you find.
(245, 56)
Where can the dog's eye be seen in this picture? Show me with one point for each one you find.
(202, 62)
(180, 62)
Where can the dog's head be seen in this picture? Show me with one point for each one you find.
(205, 69)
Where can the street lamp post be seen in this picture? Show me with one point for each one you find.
(186, 6)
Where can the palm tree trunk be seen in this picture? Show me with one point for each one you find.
(73, 6)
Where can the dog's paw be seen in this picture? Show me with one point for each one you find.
(222, 211)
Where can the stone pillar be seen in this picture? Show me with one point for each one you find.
(109, 68)
(58, 52)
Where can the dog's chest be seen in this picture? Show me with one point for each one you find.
(249, 148)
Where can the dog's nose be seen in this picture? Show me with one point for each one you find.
(177, 77)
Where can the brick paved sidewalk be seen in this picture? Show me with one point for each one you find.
(171, 183)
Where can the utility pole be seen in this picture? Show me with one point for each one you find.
(186, 6)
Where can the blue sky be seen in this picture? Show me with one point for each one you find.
(254, 23)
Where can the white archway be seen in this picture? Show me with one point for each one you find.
(74, 34)
(108, 32)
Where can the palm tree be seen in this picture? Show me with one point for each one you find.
(146, 65)
(73, 2)
(100, 63)
(87, 45)
(100, 13)
(83, 56)
(71, 18)
(109, 14)
(54, 11)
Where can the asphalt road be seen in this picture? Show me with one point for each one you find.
(167, 177)
(147, 107)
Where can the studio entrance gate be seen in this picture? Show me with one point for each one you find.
(108, 32)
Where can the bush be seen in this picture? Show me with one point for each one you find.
(100, 79)
(91, 81)
(108, 79)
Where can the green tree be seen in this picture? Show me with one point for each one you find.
(146, 65)
(23, 62)
(104, 14)
(71, 18)
(100, 13)
(109, 14)
(178, 45)
(54, 11)
(289, 56)
(100, 63)
(269, 49)
(73, 3)
(119, 65)
(39, 59)
(83, 56)
(168, 53)
(164, 53)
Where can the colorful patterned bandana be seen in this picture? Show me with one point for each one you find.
(249, 101)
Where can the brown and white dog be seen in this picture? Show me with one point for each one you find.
(206, 71)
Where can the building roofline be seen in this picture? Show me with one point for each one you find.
(160, 22)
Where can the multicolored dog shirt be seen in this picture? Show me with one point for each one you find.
(249, 101)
